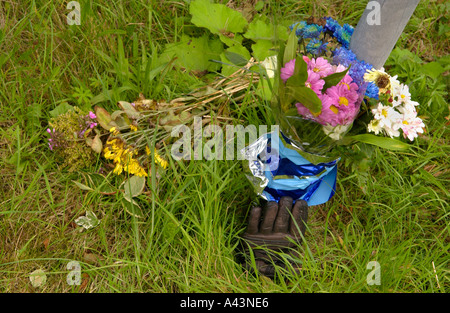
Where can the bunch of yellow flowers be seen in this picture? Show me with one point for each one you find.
(123, 157)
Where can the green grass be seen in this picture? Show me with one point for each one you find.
(392, 208)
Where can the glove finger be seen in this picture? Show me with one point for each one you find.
(269, 215)
(253, 220)
(284, 211)
(265, 269)
(299, 218)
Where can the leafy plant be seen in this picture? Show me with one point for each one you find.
(229, 42)
(427, 81)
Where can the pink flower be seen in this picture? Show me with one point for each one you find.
(288, 70)
(331, 114)
(92, 115)
(304, 111)
(342, 96)
(348, 82)
(314, 82)
(327, 116)
(337, 69)
(320, 66)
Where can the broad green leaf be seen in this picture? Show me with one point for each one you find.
(97, 145)
(383, 142)
(216, 17)
(290, 51)
(333, 79)
(235, 50)
(121, 119)
(231, 39)
(262, 49)
(194, 53)
(259, 5)
(261, 29)
(88, 221)
(103, 117)
(126, 106)
(133, 187)
(300, 75)
(132, 208)
(235, 58)
(133, 114)
(432, 69)
(116, 113)
(307, 97)
(61, 109)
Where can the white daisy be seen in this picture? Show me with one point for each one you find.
(410, 124)
(387, 118)
(403, 95)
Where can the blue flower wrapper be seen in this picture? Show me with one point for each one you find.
(277, 168)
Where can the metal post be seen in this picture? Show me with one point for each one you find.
(379, 28)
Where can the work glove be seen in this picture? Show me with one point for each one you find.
(272, 231)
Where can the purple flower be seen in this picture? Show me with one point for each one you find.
(92, 115)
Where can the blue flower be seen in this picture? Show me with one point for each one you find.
(357, 71)
(348, 29)
(307, 30)
(312, 31)
(331, 25)
(372, 91)
(316, 46)
(343, 35)
(343, 56)
(300, 26)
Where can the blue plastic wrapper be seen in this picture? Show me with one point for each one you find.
(277, 168)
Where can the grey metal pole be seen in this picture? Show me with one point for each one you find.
(379, 28)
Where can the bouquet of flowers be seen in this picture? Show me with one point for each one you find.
(320, 88)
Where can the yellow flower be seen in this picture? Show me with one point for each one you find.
(158, 159)
(380, 78)
(133, 128)
(161, 161)
(109, 155)
(118, 169)
(114, 131)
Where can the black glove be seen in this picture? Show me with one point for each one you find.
(272, 229)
